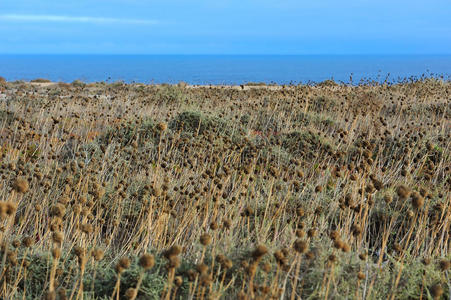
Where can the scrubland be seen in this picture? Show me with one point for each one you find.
(132, 191)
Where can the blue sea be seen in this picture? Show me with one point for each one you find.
(224, 69)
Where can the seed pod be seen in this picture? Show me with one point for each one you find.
(50, 295)
(20, 185)
(259, 252)
(27, 242)
(311, 233)
(202, 268)
(205, 239)
(173, 263)
(300, 233)
(191, 274)
(178, 280)
(403, 192)
(266, 267)
(124, 262)
(444, 265)
(356, 230)
(436, 291)
(147, 261)
(300, 246)
(57, 237)
(173, 251)
(227, 264)
(11, 208)
(417, 200)
(360, 276)
(131, 293)
(87, 228)
(388, 198)
(97, 254)
(57, 210)
(205, 279)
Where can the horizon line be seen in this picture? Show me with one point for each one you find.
(232, 54)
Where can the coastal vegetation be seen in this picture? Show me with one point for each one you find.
(134, 191)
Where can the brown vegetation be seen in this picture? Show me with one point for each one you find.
(141, 191)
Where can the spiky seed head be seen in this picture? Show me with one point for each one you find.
(311, 233)
(259, 252)
(57, 210)
(300, 212)
(173, 263)
(300, 246)
(76, 208)
(332, 258)
(266, 267)
(191, 274)
(173, 251)
(27, 242)
(131, 293)
(87, 228)
(300, 233)
(202, 268)
(265, 290)
(388, 198)
(426, 261)
(57, 237)
(12, 258)
(346, 248)
(356, 230)
(279, 256)
(79, 252)
(62, 293)
(228, 264)
(146, 261)
(124, 262)
(220, 258)
(205, 279)
(20, 185)
(178, 280)
(50, 295)
(417, 200)
(162, 126)
(227, 223)
(310, 255)
(334, 235)
(11, 208)
(122, 265)
(205, 239)
(338, 244)
(214, 225)
(16, 243)
(360, 276)
(436, 291)
(403, 192)
(444, 265)
(97, 254)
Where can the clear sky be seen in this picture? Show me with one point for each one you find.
(226, 27)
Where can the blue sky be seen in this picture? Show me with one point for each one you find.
(226, 27)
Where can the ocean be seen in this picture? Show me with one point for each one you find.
(224, 69)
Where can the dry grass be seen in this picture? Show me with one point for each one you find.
(113, 191)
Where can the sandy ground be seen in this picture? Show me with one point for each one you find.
(235, 87)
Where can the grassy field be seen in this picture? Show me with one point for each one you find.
(130, 191)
